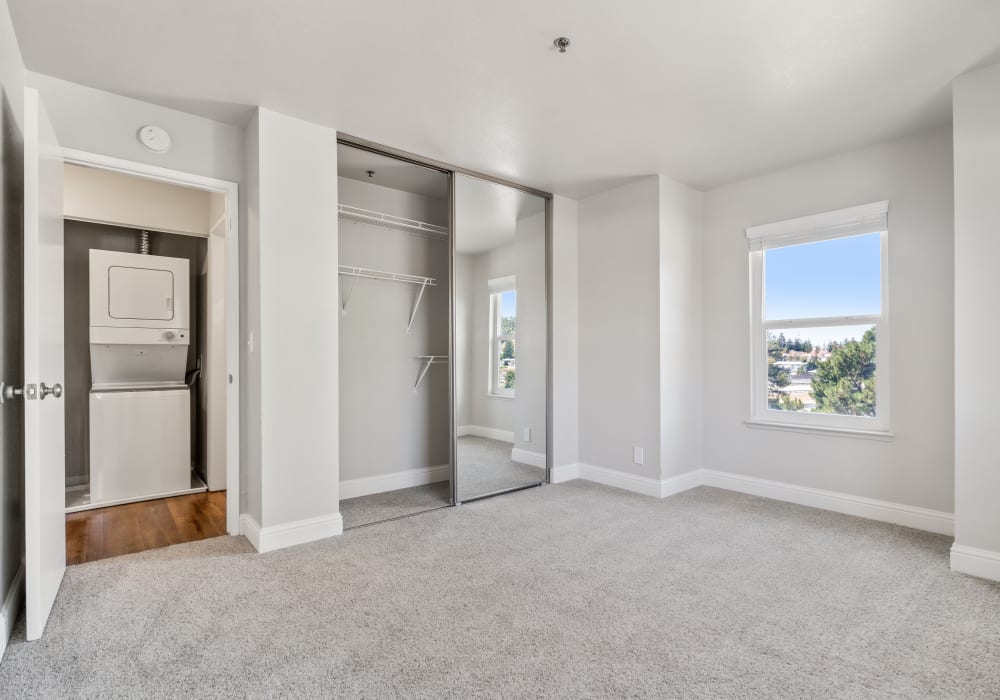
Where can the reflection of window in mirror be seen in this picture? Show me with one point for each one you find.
(503, 337)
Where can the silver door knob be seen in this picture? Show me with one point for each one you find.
(54, 390)
(8, 391)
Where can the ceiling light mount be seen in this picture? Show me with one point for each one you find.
(371, 173)
(561, 43)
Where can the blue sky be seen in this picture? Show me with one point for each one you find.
(830, 278)
(508, 303)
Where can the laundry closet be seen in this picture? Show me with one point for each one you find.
(144, 339)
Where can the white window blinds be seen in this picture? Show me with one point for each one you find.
(853, 221)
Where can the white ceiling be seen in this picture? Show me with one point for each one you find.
(390, 172)
(706, 92)
(486, 214)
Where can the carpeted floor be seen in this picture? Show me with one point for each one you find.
(575, 590)
(374, 508)
(485, 466)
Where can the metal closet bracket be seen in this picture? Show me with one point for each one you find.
(416, 304)
(428, 361)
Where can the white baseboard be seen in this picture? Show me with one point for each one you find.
(976, 562)
(11, 608)
(918, 518)
(480, 431)
(268, 539)
(564, 472)
(367, 485)
(658, 488)
(534, 459)
(885, 511)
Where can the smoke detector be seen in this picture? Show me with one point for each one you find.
(154, 138)
(561, 43)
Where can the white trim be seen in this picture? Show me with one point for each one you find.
(657, 488)
(915, 517)
(982, 563)
(231, 191)
(250, 529)
(759, 326)
(883, 435)
(885, 511)
(268, 539)
(852, 221)
(366, 485)
(483, 432)
(564, 472)
(11, 608)
(532, 459)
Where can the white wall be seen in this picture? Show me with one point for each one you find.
(565, 333)
(680, 339)
(619, 323)
(250, 364)
(976, 106)
(105, 196)
(915, 468)
(532, 339)
(296, 216)
(102, 122)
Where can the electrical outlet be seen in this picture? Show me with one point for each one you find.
(637, 455)
(527, 434)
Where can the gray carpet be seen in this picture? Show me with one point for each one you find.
(484, 466)
(575, 590)
(365, 510)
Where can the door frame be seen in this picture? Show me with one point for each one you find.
(231, 192)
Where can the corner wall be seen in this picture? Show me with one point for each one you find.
(916, 467)
(976, 104)
(294, 247)
(640, 329)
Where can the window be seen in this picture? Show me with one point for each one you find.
(819, 310)
(503, 337)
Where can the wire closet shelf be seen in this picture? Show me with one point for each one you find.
(399, 223)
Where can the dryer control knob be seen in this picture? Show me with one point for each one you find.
(169, 335)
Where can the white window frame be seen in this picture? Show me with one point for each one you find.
(497, 287)
(860, 220)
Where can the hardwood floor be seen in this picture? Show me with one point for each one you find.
(136, 527)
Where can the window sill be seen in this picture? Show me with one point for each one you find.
(501, 396)
(881, 435)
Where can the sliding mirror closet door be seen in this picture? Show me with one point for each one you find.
(500, 338)
(394, 297)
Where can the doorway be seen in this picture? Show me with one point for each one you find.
(147, 381)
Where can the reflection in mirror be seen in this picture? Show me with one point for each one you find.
(500, 338)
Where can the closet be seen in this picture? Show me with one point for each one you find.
(444, 335)
(144, 357)
(394, 250)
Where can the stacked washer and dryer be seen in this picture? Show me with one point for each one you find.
(140, 406)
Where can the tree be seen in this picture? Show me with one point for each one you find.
(845, 382)
(777, 377)
(508, 350)
(508, 380)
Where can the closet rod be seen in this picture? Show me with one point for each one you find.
(421, 228)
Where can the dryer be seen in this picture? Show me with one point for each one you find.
(140, 407)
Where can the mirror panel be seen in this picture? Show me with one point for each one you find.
(500, 337)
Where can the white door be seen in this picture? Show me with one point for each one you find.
(44, 412)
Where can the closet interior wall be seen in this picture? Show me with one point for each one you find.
(386, 426)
